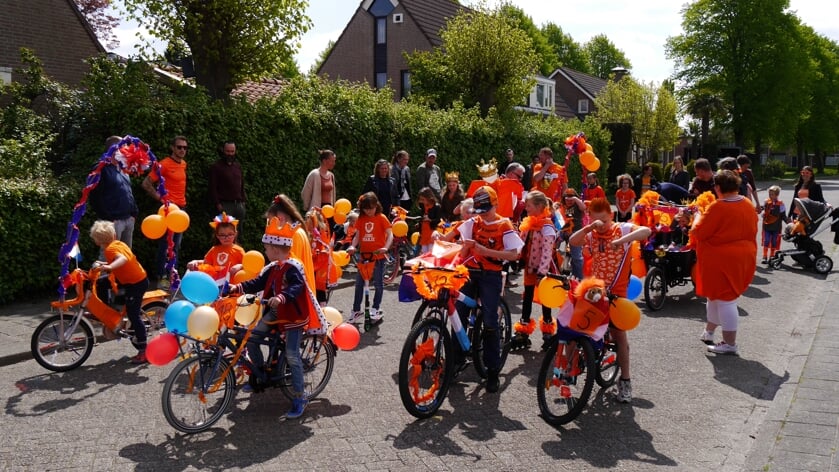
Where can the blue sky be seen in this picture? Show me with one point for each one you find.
(638, 28)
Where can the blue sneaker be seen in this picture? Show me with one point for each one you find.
(298, 406)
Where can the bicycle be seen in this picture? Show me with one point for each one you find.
(572, 364)
(426, 366)
(400, 250)
(65, 340)
(200, 388)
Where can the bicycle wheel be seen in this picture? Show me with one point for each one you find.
(429, 309)
(607, 363)
(55, 347)
(655, 288)
(424, 368)
(192, 402)
(393, 264)
(565, 381)
(153, 314)
(505, 330)
(318, 357)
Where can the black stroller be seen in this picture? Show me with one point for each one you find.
(808, 252)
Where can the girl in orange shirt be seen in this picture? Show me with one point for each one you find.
(325, 270)
(427, 202)
(624, 198)
(224, 259)
(373, 237)
(593, 189)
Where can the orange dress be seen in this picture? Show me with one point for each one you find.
(726, 249)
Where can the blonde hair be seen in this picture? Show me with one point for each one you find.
(539, 199)
(774, 189)
(103, 232)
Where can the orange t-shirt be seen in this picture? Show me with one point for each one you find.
(372, 233)
(510, 193)
(551, 184)
(623, 199)
(174, 178)
(610, 264)
(129, 273)
(222, 258)
(499, 235)
(594, 192)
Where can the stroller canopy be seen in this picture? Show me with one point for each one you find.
(812, 209)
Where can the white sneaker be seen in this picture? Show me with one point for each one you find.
(707, 338)
(723, 348)
(356, 317)
(624, 391)
(376, 315)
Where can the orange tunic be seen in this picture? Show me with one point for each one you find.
(726, 249)
(551, 185)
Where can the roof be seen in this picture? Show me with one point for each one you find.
(431, 16)
(562, 110)
(588, 84)
(256, 90)
(86, 25)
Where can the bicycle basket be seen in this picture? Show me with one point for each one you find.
(430, 280)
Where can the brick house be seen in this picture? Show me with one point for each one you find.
(57, 32)
(576, 91)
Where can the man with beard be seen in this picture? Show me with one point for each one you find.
(227, 185)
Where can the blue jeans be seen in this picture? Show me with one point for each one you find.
(487, 287)
(133, 308)
(162, 247)
(292, 354)
(378, 283)
(577, 262)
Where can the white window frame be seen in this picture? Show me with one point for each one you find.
(582, 106)
(5, 76)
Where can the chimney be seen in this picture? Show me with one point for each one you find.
(619, 72)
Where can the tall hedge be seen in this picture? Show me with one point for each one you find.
(277, 143)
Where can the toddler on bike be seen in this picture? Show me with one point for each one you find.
(608, 243)
(130, 275)
(224, 259)
(373, 237)
(488, 240)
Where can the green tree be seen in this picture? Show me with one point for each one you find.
(321, 57)
(231, 41)
(484, 61)
(548, 59)
(703, 104)
(748, 54)
(569, 53)
(604, 56)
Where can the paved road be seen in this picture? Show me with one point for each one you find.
(772, 408)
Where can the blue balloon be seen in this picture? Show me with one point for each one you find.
(635, 288)
(199, 287)
(176, 316)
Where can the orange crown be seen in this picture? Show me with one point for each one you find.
(278, 235)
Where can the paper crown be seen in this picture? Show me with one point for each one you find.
(223, 218)
(278, 235)
(488, 169)
(452, 176)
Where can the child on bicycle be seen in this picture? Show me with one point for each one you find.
(608, 243)
(431, 215)
(287, 308)
(539, 235)
(373, 238)
(224, 259)
(488, 240)
(130, 275)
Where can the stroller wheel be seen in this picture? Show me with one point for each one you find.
(775, 262)
(823, 265)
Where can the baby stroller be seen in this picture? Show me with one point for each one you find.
(808, 252)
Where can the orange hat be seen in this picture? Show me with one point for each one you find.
(485, 199)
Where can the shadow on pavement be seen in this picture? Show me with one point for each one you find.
(748, 376)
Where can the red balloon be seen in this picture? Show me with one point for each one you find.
(346, 336)
(162, 349)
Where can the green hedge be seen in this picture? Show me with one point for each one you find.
(277, 143)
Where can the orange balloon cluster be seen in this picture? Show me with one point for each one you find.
(175, 220)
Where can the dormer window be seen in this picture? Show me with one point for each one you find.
(582, 106)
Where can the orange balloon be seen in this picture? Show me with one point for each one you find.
(253, 261)
(594, 165)
(177, 221)
(153, 227)
(343, 206)
(162, 210)
(589, 148)
(242, 276)
(400, 229)
(415, 238)
(587, 159)
(328, 211)
(340, 218)
(624, 314)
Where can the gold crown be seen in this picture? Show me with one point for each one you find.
(452, 176)
(488, 169)
(278, 235)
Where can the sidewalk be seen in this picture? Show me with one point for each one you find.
(17, 323)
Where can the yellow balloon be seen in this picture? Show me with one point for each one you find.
(333, 318)
(400, 229)
(587, 159)
(162, 210)
(202, 322)
(327, 211)
(246, 312)
(339, 218)
(589, 148)
(177, 221)
(343, 206)
(551, 292)
(253, 262)
(242, 276)
(624, 314)
(340, 258)
(153, 227)
(415, 238)
(594, 165)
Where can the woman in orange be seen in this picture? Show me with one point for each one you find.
(718, 240)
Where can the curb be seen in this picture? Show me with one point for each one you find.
(19, 357)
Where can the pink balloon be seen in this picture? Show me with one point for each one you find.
(346, 336)
(162, 349)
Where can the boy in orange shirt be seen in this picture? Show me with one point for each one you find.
(130, 276)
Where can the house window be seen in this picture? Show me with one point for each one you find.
(5, 76)
(540, 95)
(381, 30)
(582, 106)
(381, 80)
(406, 83)
(397, 17)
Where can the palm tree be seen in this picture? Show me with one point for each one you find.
(701, 102)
